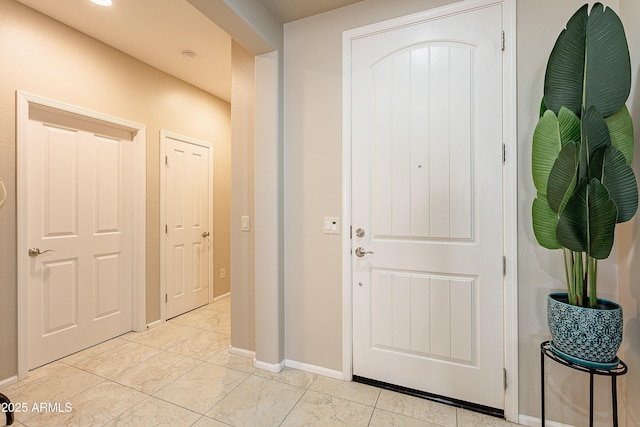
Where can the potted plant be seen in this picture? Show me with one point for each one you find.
(581, 155)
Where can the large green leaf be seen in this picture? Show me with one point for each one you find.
(595, 137)
(595, 133)
(621, 132)
(608, 70)
(543, 107)
(589, 64)
(588, 221)
(569, 125)
(545, 222)
(544, 150)
(550, 135)
(563, 82)
(620, 182)
(563, 177)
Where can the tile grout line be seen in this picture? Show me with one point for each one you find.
(134, 389)
(149, 395)
(293, 407)
(375, 406)
(225, 396)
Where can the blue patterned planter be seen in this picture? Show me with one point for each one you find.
(586, 334)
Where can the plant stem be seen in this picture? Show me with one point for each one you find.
(568, 266)
(580, 285)
(593, 281)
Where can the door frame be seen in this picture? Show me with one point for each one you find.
(24, 101)
(510, 181)
(164, 135)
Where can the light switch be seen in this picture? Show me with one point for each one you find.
(223, 273)
(331, 225)
(245, 223)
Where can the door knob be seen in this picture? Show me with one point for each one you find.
(360, 252)
(36, 251)
(205, 234)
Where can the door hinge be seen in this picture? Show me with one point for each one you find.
(166, 229)
(166, 298)
(504, 377)
(351, 232)
(504, 265)
(504, 153)
(502, 42)
(166, 160)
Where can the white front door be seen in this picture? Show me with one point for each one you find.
(426, 122)
(188, 207)
(79, 220)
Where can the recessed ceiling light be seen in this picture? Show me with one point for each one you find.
(102, 2)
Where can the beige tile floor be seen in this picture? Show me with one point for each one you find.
(181, 374)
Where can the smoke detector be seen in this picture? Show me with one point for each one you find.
(188, 55)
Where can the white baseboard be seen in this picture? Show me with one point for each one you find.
(314, 369)
(242, 352)
(526, 420)
(8, 381)
(271, 367)
(278, 367)
(154, 324)
(218, 298)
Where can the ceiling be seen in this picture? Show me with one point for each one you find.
(292, 10)
(157, 32)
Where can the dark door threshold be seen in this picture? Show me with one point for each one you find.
(498, 413)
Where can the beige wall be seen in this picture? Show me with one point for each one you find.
(629, 241)
(540, 270)
(313, 102)
(242, 203)
(313, 109)
(44, 57)
(313, 182)
(269, 286)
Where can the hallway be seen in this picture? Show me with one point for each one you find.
(181, 374)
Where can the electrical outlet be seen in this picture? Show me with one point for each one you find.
(223, 273)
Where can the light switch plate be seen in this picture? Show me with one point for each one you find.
(245, 223)
(331, 225)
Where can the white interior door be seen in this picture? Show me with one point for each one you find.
(188, 211)
(79, 228)
(427, 193)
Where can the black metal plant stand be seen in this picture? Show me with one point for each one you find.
(614, 373)
(6, 408)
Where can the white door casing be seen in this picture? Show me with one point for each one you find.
(76, 199)
(187, 200)
(432, 212)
